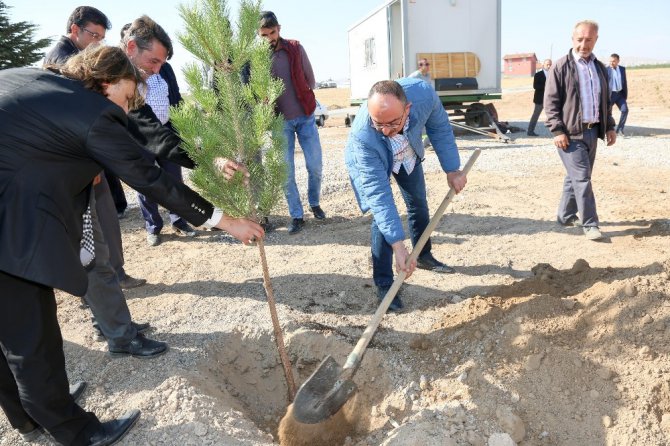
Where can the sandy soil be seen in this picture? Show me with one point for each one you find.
(540, 338)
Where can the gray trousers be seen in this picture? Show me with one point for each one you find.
(104, 294)
(533, 119)
(578, 197)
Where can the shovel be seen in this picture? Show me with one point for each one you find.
(330, 386)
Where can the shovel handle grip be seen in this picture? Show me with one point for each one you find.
(354, 358)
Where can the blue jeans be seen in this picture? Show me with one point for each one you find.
(413, 190)
(308, 136)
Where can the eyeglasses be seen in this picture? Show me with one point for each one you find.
(424, 64)
(96, 36)
(389, 125)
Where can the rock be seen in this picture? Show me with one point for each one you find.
(604, 373)
(665, 422)
(630, 290)
(511, 423)
(580, 266)
(533, 362)
(607, 421)
(199, 429)
(423, 382)
(499, 439)
(646, 320)
(568, 303)
(474, 439)
(456, 299)
(515, 397)
(645, 352)
(594, 394)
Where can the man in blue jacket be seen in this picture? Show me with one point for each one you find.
(385, 140)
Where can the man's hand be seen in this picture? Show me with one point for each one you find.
(457, 180)
(229, 168)
(611, 137)
(242, 229)
(97, 179)
(561, 141)
(401, 256)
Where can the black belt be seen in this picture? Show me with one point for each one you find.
(590, 125)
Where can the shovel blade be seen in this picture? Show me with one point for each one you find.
(323, 394)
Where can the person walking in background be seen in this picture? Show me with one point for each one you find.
(619, 88)
(539, 80)
(579, 111)
(385, 141)
(297, 103)
(423, 72)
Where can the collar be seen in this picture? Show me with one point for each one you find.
(591, 58)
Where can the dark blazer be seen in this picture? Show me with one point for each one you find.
(538, 84)
(61, 52)
(55, 136)
(624, 82)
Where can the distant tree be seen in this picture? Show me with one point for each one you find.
(17, 48)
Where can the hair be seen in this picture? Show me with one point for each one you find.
(590, 23)
(143, 31)
(389, 87)
(421, 60)
(124, 29)
(268, 20)
(87, 14)
(615, 55)
(98, 65)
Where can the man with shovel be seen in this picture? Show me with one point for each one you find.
(385, 140)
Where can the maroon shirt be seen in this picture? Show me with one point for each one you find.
(288, 103)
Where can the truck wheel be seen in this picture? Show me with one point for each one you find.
(475, 115)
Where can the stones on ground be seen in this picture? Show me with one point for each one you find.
(533, 362)
(568, 303)
(423, 382)
(607, 421)
(665, 423)
(511, 423)
(474, 439)
(501, 439)
(630, 290)
(646, 320)
(604, 373)
(580, 266)
(645, 352)
(200, 429)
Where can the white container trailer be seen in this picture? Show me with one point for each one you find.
(460, 39)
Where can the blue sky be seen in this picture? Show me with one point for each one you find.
(631, 28)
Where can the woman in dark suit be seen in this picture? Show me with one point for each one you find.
(56, 134)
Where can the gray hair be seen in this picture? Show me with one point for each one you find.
(593, 24)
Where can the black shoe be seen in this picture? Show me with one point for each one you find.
(318, 212)
(184, 229)
(131, 282)
(266, 225)
(396, 303)
(430, 263)
(296, 225)
(532, 134)
(112, 431)
(99, 336)
(77, 389)
(140, 347)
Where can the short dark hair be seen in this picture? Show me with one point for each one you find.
(124, 28)
(87, 14)
(615, 55)
(268, 20)
(143, 31)
(389, 87)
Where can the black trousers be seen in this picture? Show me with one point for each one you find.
(33, 382)
(120, 202)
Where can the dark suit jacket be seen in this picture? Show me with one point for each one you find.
(624, 82)
(538, 84)
(61, 52)
(55, 136)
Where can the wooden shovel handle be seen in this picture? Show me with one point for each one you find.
(354, 358)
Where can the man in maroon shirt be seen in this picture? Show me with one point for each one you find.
(297, 103)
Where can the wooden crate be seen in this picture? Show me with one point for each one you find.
(445, 65)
